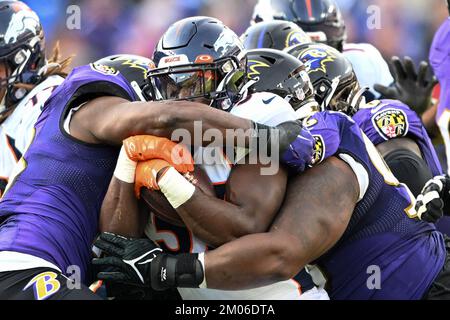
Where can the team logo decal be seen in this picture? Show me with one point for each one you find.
(391, 123)
(44, 285)
(319, 149)
(296, 37)
(226, 40)
(20, 22)
(136, 63)
(253, 66)
(317, 59)
(109, 71)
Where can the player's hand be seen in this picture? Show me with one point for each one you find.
(411, 87)
(433, 202)
(129, 260)
(298, 152)
(142, 148)
(147, 174)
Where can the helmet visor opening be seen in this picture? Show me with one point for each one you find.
(191, 81)
(184, 84)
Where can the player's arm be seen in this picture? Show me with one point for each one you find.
(120, 212)
(429, 120)
(314, 216)
(252, 200)
(111, 119)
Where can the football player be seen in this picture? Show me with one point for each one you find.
(274, 34)
(392, 126)
(251, 203)
(440, 62)
(49, 214)
(432, 203)
(364, 224)
(323, 22)
(349, 232)
(27, 80)
(410, 86)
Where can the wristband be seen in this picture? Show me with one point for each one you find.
(125, 168)
(176, 188)
(201, 259)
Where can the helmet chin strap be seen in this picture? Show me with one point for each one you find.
(357, 99)
(330, 95)
(3, 105)
(242, 92)
(247, 86)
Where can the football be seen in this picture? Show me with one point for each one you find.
(158, 204)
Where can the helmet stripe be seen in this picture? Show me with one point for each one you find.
(309, 8)
(261, 38)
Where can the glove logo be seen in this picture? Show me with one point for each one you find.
(132, 263)
(391, 123)
(319, 149)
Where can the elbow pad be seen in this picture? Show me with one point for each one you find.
(409, 169)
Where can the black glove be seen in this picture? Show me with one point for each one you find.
(411, 87)
(128, 260)
(433, 203)
(140, 262)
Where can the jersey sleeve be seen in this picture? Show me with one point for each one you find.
(369, 65)
(338, 135)
(92, 81)
(389, 119)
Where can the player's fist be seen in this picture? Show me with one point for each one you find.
(147, 175)
(296, 145)
(433, 202)
(142, 148)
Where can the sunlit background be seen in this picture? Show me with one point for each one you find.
(127, 26)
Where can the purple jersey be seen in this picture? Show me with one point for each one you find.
(389, 119)
(51, 209)
(440, 61)
(383, 231)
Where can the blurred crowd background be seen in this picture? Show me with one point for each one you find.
(134, 26)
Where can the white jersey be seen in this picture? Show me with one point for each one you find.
(369, 66)
(16, 132)
(268, 109)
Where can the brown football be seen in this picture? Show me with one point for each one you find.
(159, 205)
